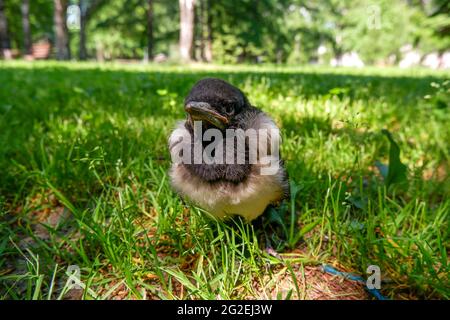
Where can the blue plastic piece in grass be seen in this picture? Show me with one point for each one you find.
(375, 292)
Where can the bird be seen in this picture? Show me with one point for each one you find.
(222, 188)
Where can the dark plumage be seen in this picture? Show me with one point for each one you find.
(221, 188)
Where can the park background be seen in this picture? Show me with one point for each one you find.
(90, 91)
(350, 33)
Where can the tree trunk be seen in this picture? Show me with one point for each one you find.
(82, 52)
(186, 29)
(61, 33)
(198, 32)
(25, 8)
(207, 41)
(5, 43)
(87, 10)
(150, 29)
(279, 56)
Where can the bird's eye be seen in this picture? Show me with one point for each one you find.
(229, 109)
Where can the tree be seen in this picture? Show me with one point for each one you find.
(373, 29)
(25, 8)
(87, 8)
(187, 13)
(433, 25)
(126, 35)
(150, 29)
(5, 43)
(205, 31)
(235, 31)
(61, 33)
(247, 32)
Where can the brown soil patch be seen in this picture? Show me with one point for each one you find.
(312, 284)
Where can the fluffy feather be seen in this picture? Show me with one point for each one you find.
(228, 189)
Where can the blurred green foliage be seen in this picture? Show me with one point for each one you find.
(258, 30)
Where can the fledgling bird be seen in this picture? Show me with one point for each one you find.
(226, 189)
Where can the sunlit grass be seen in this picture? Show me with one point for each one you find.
(83, 150)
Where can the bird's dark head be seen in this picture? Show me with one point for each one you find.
(214, 102)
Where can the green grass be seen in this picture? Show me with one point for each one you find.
(83, 181)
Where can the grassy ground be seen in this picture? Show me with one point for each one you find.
(83, 181)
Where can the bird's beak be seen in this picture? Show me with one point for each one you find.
(202, 111)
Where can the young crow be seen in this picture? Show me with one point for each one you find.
(221, 186)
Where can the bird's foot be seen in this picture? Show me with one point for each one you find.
(271, 251)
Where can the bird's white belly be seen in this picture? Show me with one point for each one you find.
(249, 208)
(248, 199)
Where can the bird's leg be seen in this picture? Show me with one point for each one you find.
(268, 244)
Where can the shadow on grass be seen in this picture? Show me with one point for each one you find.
(40, 111)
